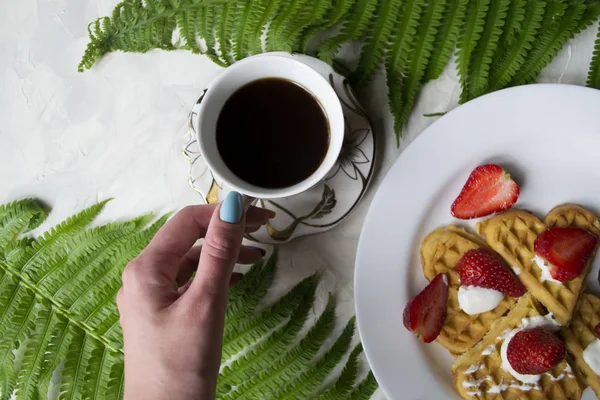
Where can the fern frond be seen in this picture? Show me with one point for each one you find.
(261, 355)
(187, 22)
(45, 324)
(19, 217)
(289, 14)
(17, 316)
(446, 38)
(333, 15)
(365, 389)
(305, 20)
(97, 302)
(36, 255)
(417, 60)
(512, 24)
(354, 25)
(376, 40)
(137, 26)
(397, 59)
(207, 32)
(56, 350)
(483, 53)
(560, 23)
(250, 330)
(306, 383)
(512, 56)
(244, 17)
(103, 376)
(224, 21)
(467, 40)
(292, 363)
(243, 309)
(236, 299)
(264, 11)
(344, 384)
(81, 355)
(594, 73)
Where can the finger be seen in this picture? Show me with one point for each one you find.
(189, 262)
(179, 234)
(236, 277)
(220, 251)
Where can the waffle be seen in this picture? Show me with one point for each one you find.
(478, 373)
(580, 334)
(440, 252)
(512, 235)
(575, 216)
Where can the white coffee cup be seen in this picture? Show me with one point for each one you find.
(251, 69)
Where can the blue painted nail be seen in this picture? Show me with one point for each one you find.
(232, 207)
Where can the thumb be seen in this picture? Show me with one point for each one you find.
(220, 249)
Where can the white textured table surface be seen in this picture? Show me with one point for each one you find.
(72, 139)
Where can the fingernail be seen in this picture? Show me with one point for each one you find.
(272, 214)
(232, 208)
(263, 252)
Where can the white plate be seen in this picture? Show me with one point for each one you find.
(546, 136)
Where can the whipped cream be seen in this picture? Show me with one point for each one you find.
(476, 300)
(488, 350)
(547, 322)
(516, 270)
(591, 355)
(543, 265)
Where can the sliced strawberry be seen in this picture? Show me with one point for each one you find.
(489, 189)
(485, 268)
(597, 330)
(424, 315)
(567, 250)
(535, 351)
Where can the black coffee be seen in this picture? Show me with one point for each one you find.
(272, 133)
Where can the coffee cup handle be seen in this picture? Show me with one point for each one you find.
(247, 201)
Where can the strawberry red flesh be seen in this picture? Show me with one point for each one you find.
(424, 315)
(597, 330)
(567, 250)
(485, 268)
(535, 351)
(489, 189)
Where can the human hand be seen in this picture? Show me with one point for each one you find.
(173, 325)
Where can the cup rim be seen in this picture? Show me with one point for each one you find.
(335, 117)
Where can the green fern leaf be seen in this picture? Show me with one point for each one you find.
(251, 330)
(306, 383)
(187, 21)
(560, 23)
(103, 377)
(243, 18)
(261, 355)
(446, 38)
(224, 21)
(82, 350)
(314, 11)
(417, 60)
(365, 389)
(354, 25)
(333, 16)
(19, 217)
(467, 40)
(396, 61)
(36, 345)
(52, 356)
(512, 56)
(483, 53)
(206, 29)
(56, 236)
(512, 24)
(18, 313)
(594, 73)
(264, 11)
(242, 309)
(378, 35)
(292, 363)
(289, 14)
(344, 384)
